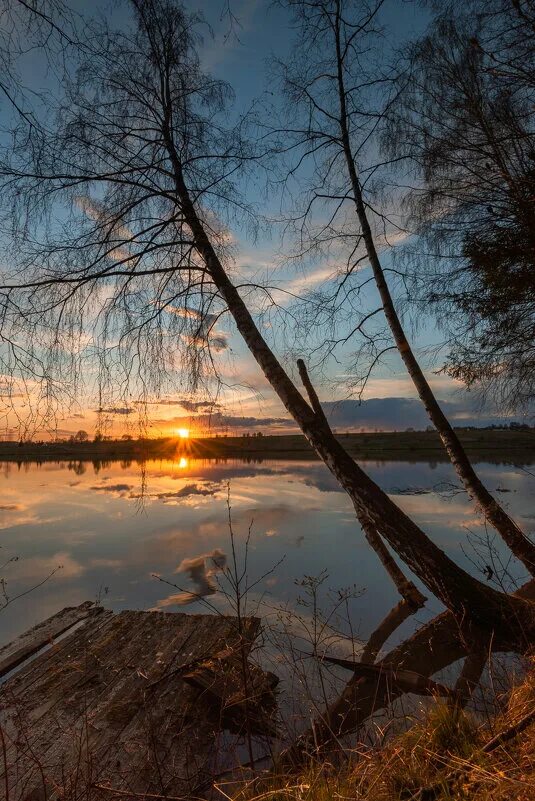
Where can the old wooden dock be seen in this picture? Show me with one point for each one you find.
(127, 705)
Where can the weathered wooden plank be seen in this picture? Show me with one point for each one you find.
(241, 692)
(35, 680)
(108, 705)
(36, 638)
(32, 700)
(48, 713)
(167, 748)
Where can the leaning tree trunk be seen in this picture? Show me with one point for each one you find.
(517, 541)
(464, 595)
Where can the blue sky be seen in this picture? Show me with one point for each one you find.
(242, 55)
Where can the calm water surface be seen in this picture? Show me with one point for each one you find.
(112, 527)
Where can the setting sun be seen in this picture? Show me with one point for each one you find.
(183, 433)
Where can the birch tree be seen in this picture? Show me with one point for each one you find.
(465, 121)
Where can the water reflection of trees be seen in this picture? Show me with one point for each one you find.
(78, 468)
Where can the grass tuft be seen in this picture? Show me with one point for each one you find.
(441, 758)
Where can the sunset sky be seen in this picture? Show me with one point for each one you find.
(246, 403)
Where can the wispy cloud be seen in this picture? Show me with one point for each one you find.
(205, 332)
(124, 410)
(184, 403)
(221, 422)
(114, 489)
(310, 280)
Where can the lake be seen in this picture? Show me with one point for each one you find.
(106, 530)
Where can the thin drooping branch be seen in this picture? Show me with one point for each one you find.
(312, 394)
(411, 595)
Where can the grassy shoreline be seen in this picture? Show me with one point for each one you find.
(482, 445)
(446, 755)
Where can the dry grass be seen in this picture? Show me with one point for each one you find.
(442, 758)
